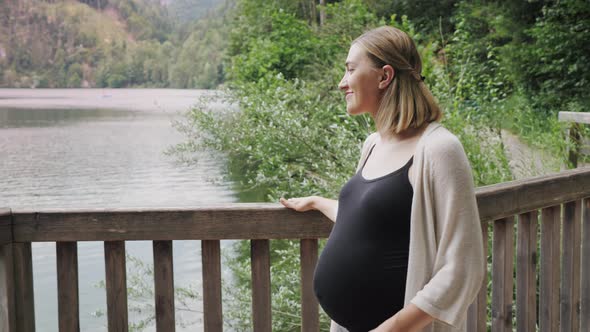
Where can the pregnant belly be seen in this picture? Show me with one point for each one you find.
(359, 288)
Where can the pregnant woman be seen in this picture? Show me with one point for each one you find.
(406, 250)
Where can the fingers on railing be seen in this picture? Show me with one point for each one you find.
(116, 285)
(164, 286)
(67, 286)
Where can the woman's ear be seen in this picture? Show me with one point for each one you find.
(388, 74)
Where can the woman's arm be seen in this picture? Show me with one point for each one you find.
(409, 319)
(328, 207)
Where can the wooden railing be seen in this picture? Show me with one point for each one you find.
(579, 145)
(562, 285)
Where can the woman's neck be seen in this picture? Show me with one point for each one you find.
(405, 135)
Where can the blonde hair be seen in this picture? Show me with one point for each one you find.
(407, 102)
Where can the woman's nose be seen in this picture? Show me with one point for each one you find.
(343, 83)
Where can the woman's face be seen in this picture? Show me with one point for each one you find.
(361, 83)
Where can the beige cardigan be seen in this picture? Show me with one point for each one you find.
(446, 263)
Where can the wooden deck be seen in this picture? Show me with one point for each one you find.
(550, 212)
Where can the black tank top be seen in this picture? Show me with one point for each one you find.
(360, 277)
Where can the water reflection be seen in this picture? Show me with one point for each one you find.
(19, 118)
(100, 158)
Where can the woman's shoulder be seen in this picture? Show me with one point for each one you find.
(371, 138)
(369, 141)
(440, 143)
(439, 137)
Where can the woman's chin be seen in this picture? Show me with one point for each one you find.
(353, 111)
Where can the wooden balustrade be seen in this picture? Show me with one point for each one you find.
(579, 145)
(556, 205)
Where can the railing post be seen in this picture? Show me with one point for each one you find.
(570, 270)
(212, 306)
(7, 305)
(23, 287)
(477, 314)
(585, 310)
(549, 270)
(576, 119)
(68, 306)
(17, 310)
(164, 286)
(261, 300)
(526, 267)
(310, 320)
(502, 274)
(574, 151)
(116, 284)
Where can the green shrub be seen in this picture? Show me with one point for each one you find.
(555, 67)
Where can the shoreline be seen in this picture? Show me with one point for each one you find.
(152, 100)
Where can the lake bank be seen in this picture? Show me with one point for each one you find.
(151, 100)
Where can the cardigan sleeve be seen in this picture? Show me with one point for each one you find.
(459, 263)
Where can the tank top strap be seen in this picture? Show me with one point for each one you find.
(367, 157)
(410, 162)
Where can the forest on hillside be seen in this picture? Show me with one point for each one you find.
(112, 43)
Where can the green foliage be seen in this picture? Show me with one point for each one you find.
(468, 92)
(556, 65)
(276, 137)
(186, 11)
(426, 14)
(282, 47)
(478, 79)
(116, 81)
(101, 36)
(74, 76)
(199, 63)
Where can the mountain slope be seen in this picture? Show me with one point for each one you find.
(89, 43)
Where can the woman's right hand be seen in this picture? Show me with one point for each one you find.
(328, 207)
(300, 204)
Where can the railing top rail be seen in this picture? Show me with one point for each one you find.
(261, 220)
(520, 196)
(579, 117)
(231, 221)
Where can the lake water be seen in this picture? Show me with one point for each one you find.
(78, 154)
